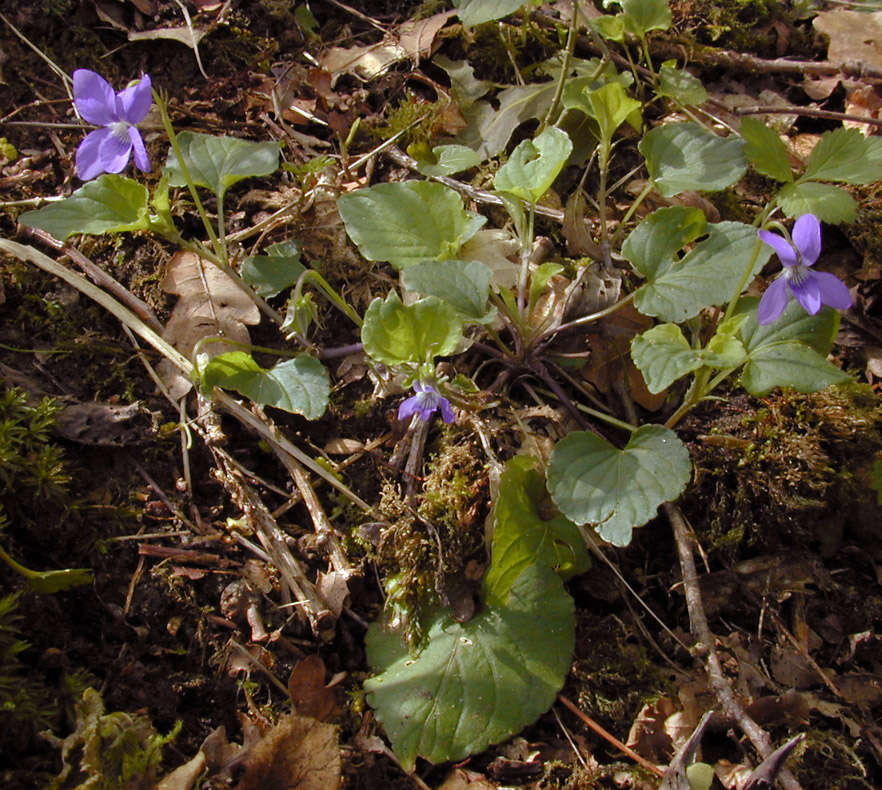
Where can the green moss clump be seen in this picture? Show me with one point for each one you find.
(109, 751)
(785, 470)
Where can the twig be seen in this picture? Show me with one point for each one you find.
(98, 276)
(705, 646)
(606, 735)
(807, 112)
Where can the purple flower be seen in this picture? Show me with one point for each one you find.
(107, 150)
(810, 288)
(425, 403)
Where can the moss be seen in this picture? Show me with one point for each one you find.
(781, 471)
(108, 751)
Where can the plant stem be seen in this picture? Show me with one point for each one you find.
(552, 116)
(330, 293)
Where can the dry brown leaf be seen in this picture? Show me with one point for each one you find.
(184, 35)
(309, 694)
(492, 248)
(299, 753)
(184, 776)
(210, 304)
(648, 736)
(413, 40)
(863, 101)
(461, 779)
(333, 587)
(341, 446)
(854, 36)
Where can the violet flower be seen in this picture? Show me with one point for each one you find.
(810, 288)
(107, 150)
(425, 403)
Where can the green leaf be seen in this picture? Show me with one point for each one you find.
(591, 481)
(299, 385)
(540, 277)
(407, 222)
(765, 150)
(795, 324)
(683, 156)
(641, 16)
(394, 333)
(700, 776)
(610, 106)
(465, 285)
(522, 538)
(845, 155)
(680, 85)
(475, 683)
(534, 164)
(827, 202)
(449, 159)
(611, 27)
(678, 290)
(790, 352)
(464, 86)
(272, 273)
(108, 204)
(663, 355)
(789, 365)
(650, 247)
(219, 162)
(475, 12)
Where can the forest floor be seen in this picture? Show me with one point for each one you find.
(181, 624)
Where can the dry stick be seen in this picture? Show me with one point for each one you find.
(273, 541)
(320, 521)
(706, 647)
(605, 734)
(808, 112)
(98, 276)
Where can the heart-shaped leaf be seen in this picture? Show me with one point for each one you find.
(641, 16)
(449, 159)
(475, 683)
(407, 222)
(523, 538)
(680, 85)
(219, 162)
(592, 481)
(299, 385)
(679, 290)
(272, 273)
(464, 285)
(534, 164)
(394, 333)
(683, 156)
(650, 247)
(790, 352)
(108, 204)
(663, 355)
(475, 12)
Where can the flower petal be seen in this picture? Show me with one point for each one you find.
(808, 293)
(834, 292)
(773, 302)
(94, 97)
(446, 411)
(408, 408)
(142, 161)
(807, 238)
(96, 151)
(133, 103)
(786, 253)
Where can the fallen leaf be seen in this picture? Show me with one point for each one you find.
(333, 587)
(863, 101)
(309, 693)
(461, 779)
(210, 304)
(299, 753)
(854, 36)
(184, 776)
(493, 248)
(185, 35)
(413, 40)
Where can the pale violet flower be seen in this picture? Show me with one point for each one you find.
(425, 403)
(810, 288)
(107, 150)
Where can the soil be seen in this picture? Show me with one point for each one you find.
(784, 502)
